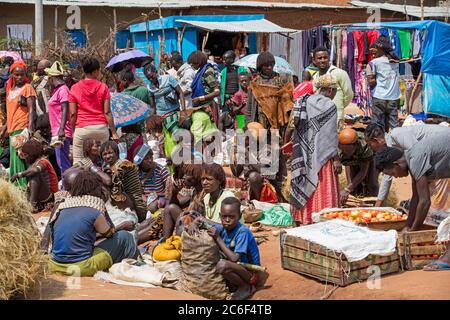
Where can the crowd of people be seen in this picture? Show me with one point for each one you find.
(109, 191)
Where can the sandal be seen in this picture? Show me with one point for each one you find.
(436, 266)
(256, 226)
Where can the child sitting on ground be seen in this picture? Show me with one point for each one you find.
(237, 244)
(41, 176)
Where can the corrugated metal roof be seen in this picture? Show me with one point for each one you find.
(429, 12)
(182, 4)
(250, 26)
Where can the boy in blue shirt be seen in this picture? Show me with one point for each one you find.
(237, 244)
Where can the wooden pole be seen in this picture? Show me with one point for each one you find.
(413, 92)
(162, 29)
(447, 3)
(56, 27)
(421, 10)
(205, 40)
(115, 29)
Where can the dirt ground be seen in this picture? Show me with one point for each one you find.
(281, 285)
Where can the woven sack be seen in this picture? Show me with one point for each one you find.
(199, 257)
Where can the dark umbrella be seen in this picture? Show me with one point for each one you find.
(136, 57)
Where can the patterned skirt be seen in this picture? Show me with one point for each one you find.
(326, 195)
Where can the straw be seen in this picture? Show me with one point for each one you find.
(22, 263)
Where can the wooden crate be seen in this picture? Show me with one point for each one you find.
(418, 248)
(317, 261)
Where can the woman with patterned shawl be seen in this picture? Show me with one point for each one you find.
(315, 162)
(126, 190)
(270, 99)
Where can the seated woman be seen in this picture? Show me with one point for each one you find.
(92, 160)
(184, 192)
(126, 191)
(133, 137)
(258, 172)
(74, 227)
(91, 156)
(41, 176)
(213, 183)
(358, 159)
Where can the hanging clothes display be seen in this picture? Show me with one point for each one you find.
(349, 50)
(296, 59)
(278, 45)
(404, 37)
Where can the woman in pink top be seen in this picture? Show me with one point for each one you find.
(90, 109)
(58, 110)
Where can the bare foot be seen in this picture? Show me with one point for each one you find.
(262, 278)
(243, 294)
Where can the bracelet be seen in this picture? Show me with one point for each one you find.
(20, 175)
(348, 190)
(94, 169)
(202, 98)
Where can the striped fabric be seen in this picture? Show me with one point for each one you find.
(155, 183)
(132, 186)
(325, 196)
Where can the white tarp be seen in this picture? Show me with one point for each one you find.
(248, 26)
(353, 241)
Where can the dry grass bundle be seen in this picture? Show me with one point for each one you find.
(22, 263)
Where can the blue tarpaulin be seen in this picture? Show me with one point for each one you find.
(436, 94)
(435, 61)
(436, 49)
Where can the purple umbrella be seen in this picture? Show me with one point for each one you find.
(136, 57)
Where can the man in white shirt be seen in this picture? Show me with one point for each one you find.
(383, 77)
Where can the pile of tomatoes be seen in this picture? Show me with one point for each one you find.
(365, 215)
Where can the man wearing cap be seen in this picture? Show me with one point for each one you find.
(152, 175)
(356, 155)
(58, 110)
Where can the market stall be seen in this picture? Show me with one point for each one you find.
(422, 46)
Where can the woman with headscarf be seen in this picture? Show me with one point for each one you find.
(205, 89)
(315, 162)
(58, 110)
(20, 113)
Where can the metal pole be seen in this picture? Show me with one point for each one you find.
(39, 26)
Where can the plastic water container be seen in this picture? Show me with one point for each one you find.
(139, 157)
(123, 150)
